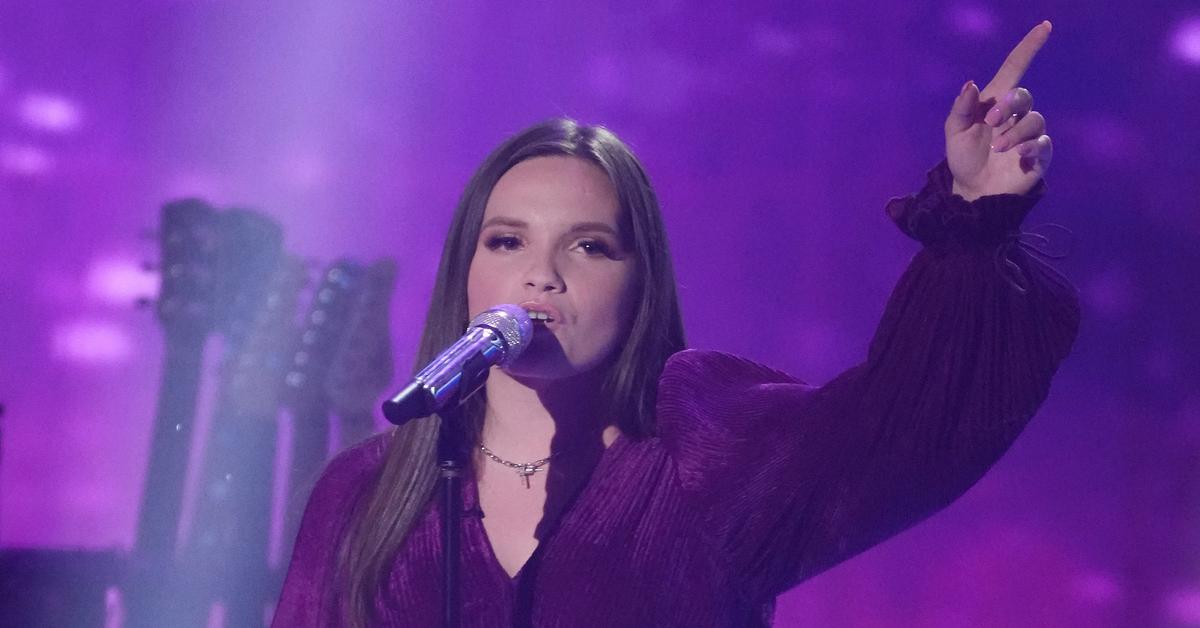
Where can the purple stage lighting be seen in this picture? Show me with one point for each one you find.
(1185, 43)
(120, 282)
(49, 112)
(88, 341)
(25, 160)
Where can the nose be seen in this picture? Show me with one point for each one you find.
(543, 276)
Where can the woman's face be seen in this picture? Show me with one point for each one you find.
(551, 242)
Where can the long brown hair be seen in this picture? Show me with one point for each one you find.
(387, 510)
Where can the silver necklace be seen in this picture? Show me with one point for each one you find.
(524, 469)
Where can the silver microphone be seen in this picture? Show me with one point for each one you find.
(496, 336)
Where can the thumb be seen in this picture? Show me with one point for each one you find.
(965, 109)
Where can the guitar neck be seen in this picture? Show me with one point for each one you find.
(233, 507)
(227, 546)
(309, 450)
(162, 499)
(225, 555)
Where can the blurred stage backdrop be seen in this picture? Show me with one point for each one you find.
(774, 134)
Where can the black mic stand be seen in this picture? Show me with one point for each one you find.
(453, 457)
(452, 465)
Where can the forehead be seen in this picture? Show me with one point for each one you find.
(554, 189)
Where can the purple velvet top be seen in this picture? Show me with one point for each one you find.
(756, 481)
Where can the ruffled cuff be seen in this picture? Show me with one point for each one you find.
(943, 220)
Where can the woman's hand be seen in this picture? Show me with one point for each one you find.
(995, 142)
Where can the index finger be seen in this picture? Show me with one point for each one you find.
(1010, 73)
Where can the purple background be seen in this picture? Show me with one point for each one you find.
(774, 137)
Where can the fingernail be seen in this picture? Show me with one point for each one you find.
(993, 117)
(999, 145)
(966, 86)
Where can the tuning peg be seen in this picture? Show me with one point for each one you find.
(295, 379)
(145, 302)
(150, 266)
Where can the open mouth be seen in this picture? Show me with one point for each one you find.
(540, 313)
(539, 317)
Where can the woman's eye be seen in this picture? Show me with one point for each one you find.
(506, 242)
(596, 247)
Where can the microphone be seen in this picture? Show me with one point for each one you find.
(496, 336)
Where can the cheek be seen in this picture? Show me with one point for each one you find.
(480, 287)
(616, 303)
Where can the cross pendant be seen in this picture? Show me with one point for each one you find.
(525, 472)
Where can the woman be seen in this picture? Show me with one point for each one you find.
(686, 488)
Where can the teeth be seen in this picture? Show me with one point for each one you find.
(539, 316)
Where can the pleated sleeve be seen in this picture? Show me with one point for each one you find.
(791, 479)
(309, 590)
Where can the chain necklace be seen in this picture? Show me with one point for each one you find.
(524, 469)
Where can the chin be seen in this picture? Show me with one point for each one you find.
(545, 362)
(535, 372)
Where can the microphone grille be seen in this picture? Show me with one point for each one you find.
(512, 323)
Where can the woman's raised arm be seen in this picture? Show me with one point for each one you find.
(791, 478)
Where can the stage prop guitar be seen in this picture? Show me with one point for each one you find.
(187, 243)
(342, 363)
(226, 272)
(363, 368)
(226, 551)
(246, 257)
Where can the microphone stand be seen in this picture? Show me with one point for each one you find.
(453, 457)
(452, 464)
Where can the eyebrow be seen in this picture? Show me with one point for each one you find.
(501, 220)
(575, 228)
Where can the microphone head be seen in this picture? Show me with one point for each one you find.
(512, 323)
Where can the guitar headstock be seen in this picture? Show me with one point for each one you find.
(248, 253)
(322, 331)
(363, 366)
(253, 372)
(187, 249)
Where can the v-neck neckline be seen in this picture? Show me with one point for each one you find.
(472, 504)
